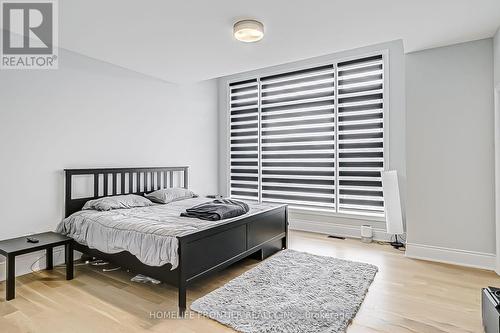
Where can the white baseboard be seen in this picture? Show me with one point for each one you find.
(329, 228)
(451, 256)
(35, 261)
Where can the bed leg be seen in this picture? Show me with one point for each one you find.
(181, 282)
(284, 243)
(182, 299)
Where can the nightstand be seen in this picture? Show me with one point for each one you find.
(11, 248)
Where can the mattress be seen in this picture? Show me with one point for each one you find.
(149, 233)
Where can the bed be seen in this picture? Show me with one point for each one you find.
(181, 250)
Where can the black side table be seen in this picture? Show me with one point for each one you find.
(11, 248)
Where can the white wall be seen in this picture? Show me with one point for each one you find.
(450, 154)
(321, 222)
(93, 114)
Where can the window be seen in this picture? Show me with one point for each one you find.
(311, 138)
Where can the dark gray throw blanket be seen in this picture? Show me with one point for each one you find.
(218, 209)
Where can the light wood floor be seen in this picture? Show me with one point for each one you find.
(406, 296)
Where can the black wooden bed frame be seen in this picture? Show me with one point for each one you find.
(201, 253)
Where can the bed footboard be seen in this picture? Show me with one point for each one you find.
(212, 250)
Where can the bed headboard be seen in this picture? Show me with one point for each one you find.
(116, 181)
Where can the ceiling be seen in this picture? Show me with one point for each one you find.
(188, 40)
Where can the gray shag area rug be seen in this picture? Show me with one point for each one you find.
(291, 292)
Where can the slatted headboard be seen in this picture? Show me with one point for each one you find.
(116, 181)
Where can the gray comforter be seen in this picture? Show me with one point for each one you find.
(149, 233)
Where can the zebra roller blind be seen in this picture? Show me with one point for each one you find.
(312, 137)
(297, 137)
(360, 136)
(244, 110)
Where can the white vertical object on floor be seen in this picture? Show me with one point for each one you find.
(366, 234)
(392, 203)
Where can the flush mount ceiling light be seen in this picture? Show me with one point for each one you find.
(248, 31)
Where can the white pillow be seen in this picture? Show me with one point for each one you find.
(117, 202)
(167, 195)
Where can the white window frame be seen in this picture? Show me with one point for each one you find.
(302, 65)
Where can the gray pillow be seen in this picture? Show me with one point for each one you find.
(167, 195)
(117, 202)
